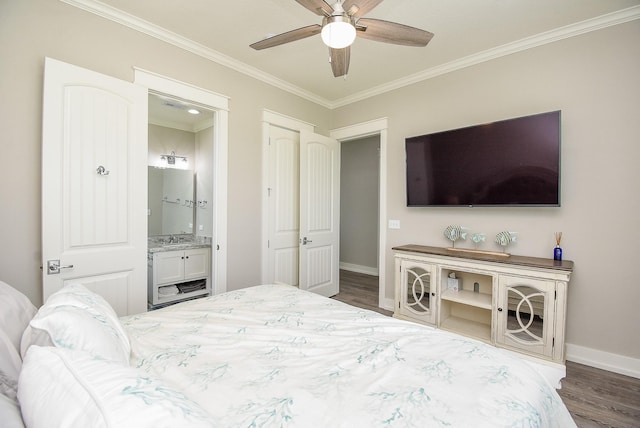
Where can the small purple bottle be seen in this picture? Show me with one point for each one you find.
(557, 253)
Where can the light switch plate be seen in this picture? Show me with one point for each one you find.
(394, 224)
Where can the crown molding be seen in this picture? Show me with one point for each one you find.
(150, 29)
(598, 23)
(155, 31)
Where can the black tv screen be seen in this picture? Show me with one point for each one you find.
(514, 162)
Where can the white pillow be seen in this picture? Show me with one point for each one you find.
(71, 327)
(53, 325)
(59, 387)
(79, 296)
(16, 310)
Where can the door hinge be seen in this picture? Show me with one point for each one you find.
(553, 342)
(555, 295)
(269, 191)
(268, 244)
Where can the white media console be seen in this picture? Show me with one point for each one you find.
(513, 302)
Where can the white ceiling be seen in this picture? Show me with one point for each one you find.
(466, 32)
(174, 113)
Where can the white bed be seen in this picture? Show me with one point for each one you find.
(269, 356)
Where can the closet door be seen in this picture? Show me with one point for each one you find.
(303, 210)
(94, 182)
(283, 206)
(319, 214)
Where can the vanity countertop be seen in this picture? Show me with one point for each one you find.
(159, 244)
(175, 247)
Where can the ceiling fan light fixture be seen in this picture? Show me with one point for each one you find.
(338, 32)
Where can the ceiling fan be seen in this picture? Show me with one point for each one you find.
(340, 25)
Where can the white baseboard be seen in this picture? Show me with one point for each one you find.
(359, 268)
(604, 360)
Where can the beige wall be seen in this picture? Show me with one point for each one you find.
(163, 141)
(359, 165)
(595, 80)
(31, 30)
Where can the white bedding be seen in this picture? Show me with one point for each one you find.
(275, 356)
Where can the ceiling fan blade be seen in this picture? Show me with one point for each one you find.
(392, 32)
(289, 36)
(340, 61)
(319, 7)
(358, 8)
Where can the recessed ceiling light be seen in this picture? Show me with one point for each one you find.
(193, 111)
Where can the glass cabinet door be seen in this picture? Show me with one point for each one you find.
(417, 299)
(525, 314)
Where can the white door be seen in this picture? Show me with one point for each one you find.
(283, 205)
(94, 182)
(319, 214)
(303, 210)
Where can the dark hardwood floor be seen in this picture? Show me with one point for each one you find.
(594, 397)
(361, 290)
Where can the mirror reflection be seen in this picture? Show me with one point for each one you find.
(171, 202)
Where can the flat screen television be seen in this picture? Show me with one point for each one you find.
(514, 162)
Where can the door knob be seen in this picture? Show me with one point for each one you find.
(305, 241)
(102, 171)
(53, 267)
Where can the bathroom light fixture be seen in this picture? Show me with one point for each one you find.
(193, 111)
(171, 159)
(338, 31)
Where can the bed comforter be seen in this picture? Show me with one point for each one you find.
(275, 356)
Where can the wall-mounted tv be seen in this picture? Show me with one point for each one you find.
(514, 162)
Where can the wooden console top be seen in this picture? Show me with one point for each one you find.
(537, 262)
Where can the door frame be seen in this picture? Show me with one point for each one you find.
(271, 118)
(361, 130)
(163, 85)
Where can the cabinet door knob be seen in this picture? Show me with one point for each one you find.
(499, 309)
(433, 294)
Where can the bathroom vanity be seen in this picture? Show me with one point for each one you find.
(177, 271)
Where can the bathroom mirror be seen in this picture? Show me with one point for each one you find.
(171, 202)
